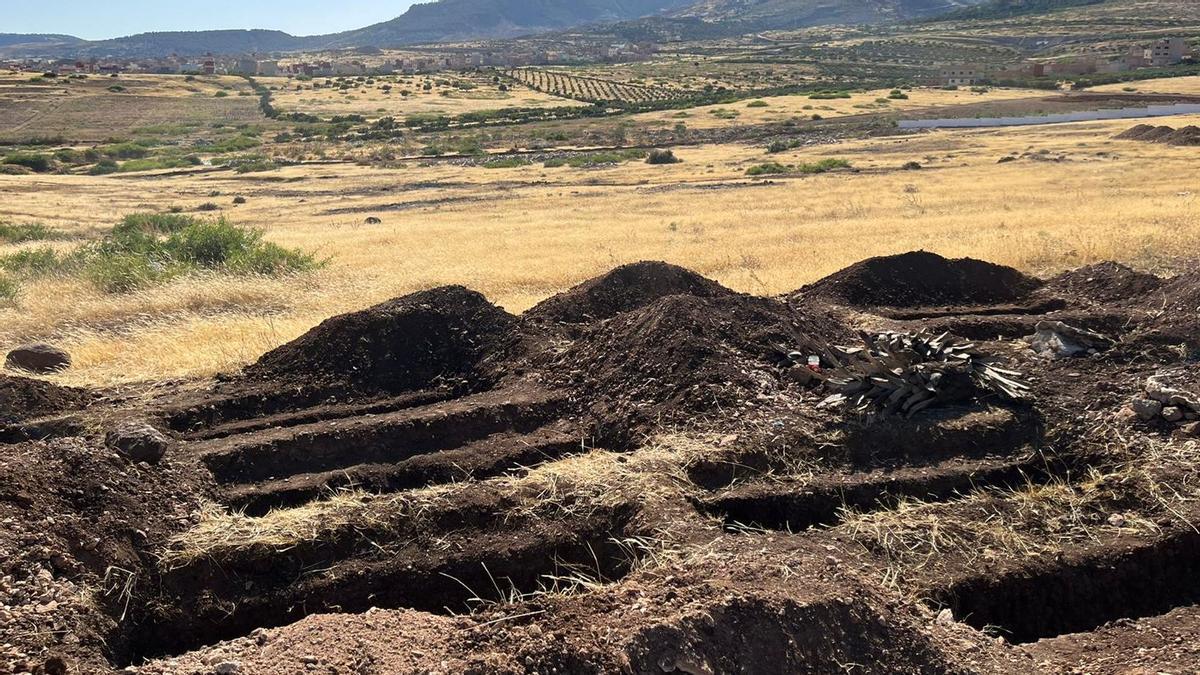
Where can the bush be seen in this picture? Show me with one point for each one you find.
(767, 169)
(9, 288)
(758, 104)
(239, 200)
(221, 94)
(506, 163)
(823, 166)
(31, 160)
(662, 157)
(208, 206)
(897, 95)
(17, 234)
(912, 166)
(32, 261)
(104, 166)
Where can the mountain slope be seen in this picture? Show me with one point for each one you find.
(469, 19)
(34, 40)
(784, 14)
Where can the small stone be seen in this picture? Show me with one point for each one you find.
(945, 617)
(38, 358)
(227, 668)
(309, 660)
(1146, 408)
(1172, 414)
(138, 442)
(1191, 429)
(1117, 520)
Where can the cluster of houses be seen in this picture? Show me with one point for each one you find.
(1160, 54)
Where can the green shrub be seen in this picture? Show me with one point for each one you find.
(221, 94)
(823, 166)
(758, 104)
(897, 95)
(31, 160)
(767, 169)
(32, 261)
(16, 234)
(9, 288)
(506, 163)
(251, 164)
(662, 157)
(105, 166)
(208, 206)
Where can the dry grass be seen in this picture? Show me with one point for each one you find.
(372, 101)
(783, 108)
(574, 487)
(519, 235)
(1169, 85)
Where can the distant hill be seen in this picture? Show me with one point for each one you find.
(1001, 9)
(469, 19)
(34, 40)
(786, 14)
(456, 20)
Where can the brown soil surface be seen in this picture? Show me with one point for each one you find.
(637, 476)
(923, 279)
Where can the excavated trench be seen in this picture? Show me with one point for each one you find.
(1129, 581)
(222, 599)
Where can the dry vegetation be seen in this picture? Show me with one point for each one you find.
(519, 234)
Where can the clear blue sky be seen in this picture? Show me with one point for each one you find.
(97, 19)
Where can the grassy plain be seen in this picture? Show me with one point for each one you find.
(402, 96)
(1073, 196)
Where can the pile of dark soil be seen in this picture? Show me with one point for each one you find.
(79, 527)
(624, 289)
(684, 356)
(921, 279)
(23, 399)
(1187, 136)
(437, 337)
(1104, 282)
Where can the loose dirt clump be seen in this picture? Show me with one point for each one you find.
(440, 336)
(23, 399)
(921, 279)
(624, 289)
(79, 525)
(685, 355)
(1186, 136)
(1104, 282)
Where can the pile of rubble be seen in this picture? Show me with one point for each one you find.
(909, 372)
(1163, 399)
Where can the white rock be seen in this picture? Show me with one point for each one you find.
(227, 668)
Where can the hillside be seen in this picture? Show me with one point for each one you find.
(782, 14)
(467, 19)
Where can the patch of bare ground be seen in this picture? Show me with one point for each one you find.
(644, 474)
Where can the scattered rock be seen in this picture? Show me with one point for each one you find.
(1172, 414)
(1146, 408)
(1191, 430)
(374, 221)
(227, 668)
(1055, 339)
(38, 358)
(945, 617)
(138, 442)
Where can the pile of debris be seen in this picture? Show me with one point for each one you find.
(1188, 136)
(909, 372)
(1163, 399)
(1055, 339)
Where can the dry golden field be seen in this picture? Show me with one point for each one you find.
(383, 96)
(97, 108)
(782, 108)
(1170, 85)
(1072, 197)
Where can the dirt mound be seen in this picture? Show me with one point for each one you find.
(685, 355)
(1156, 134)
(1135, 133)
(440, 336)
(624, 289)
(1104, 282)
(920, 279)
(23, 399)
(1187, 136)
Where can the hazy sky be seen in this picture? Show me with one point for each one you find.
(96, 19)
